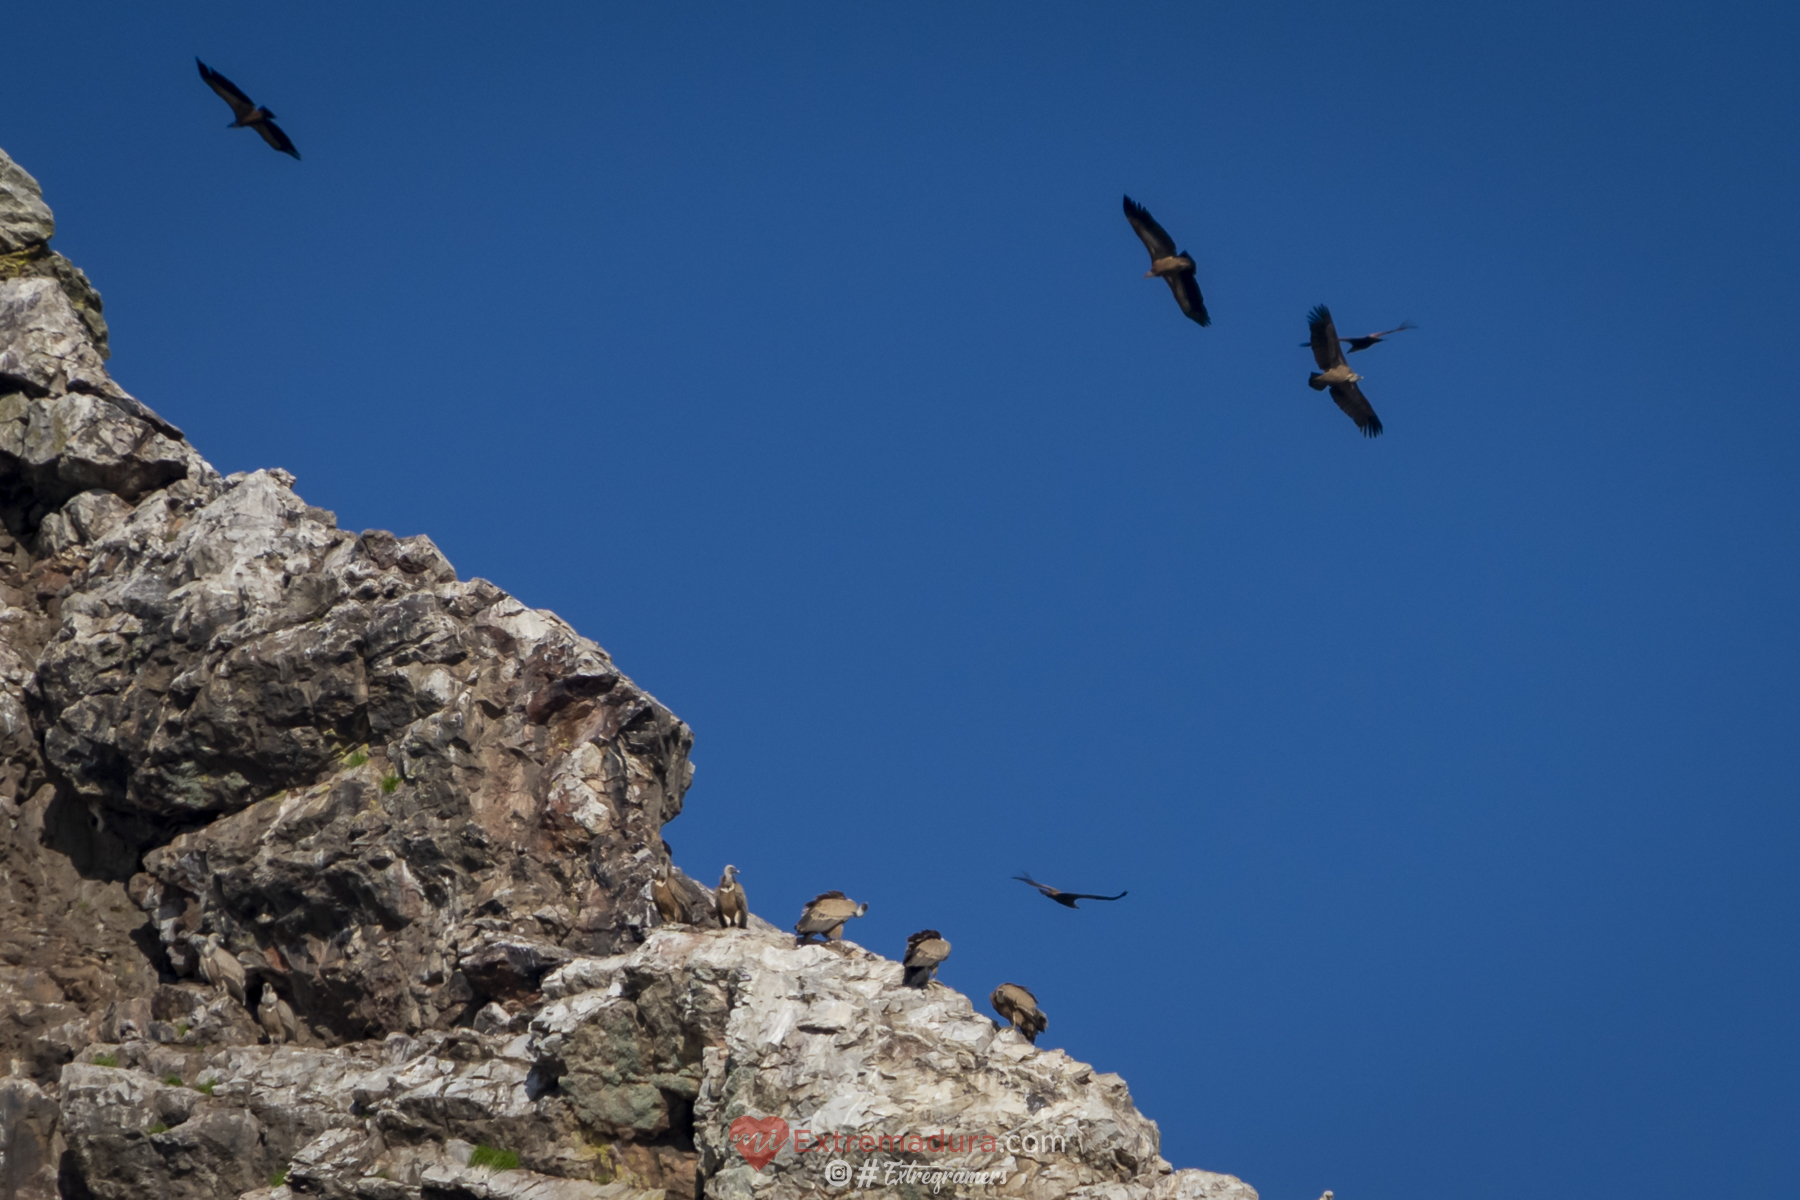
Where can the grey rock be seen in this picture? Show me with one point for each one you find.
(25, 219)
(425, 818)
(28, 1148)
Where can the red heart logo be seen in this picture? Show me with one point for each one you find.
(759, 1139)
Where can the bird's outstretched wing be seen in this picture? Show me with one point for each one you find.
(229, 92)
(1363, 343)
(1326, 351)
(1156, 239)
(272, 134)
(1356, 406)
(1061, 896)
(1187, 294)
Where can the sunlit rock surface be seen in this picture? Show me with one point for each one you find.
(246, 752)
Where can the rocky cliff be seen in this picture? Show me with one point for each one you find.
(327, 873)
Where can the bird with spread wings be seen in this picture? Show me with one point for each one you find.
(250, 115)
(1334, 373)
(1369, 339)
(1176, 267)
(1066, 899)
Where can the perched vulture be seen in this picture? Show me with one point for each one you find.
(276, 1018)
(1175, 267)
(249, 114)
(924, 951)
(1066, 899)
(1020, 1008)
(826, 914)
(734, 909)
(668, 901)
(1369, 339)
(220, 968)
(1335, 373)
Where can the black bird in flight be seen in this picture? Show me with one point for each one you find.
(1175, 267)
(1066, 899)
(249, 115)
(1364, 342)
(1335, 373)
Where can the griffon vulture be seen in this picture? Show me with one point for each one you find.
(1335, 373)
(249, 114)
(1175, 267)
(924, 951)
(221, 968)
(1066, 899)
(825, 914)
(1020, 1008)
(668, 902)
(734, 909)
(274, 1015)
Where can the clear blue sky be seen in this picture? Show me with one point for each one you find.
(799, 355)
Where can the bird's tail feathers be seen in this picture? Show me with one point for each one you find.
(1315, 381)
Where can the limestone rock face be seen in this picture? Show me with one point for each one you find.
(244, 751)
(26, 226)
(25, 220)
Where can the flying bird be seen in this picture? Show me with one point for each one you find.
(1066, 899)
(924, 951)
(1175, 267)
(1335, 373)
(734, 909)
(1367, 340)
(826, 914)
(1020, 1009)
(249, 114)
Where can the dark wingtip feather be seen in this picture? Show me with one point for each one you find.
(1318, 316)
(1373, 428)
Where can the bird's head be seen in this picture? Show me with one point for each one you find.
(862, 909)
(731, 872)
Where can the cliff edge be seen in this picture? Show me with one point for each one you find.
(327, 873)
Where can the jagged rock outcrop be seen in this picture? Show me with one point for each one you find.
(244, 751)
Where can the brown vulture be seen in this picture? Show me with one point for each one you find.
(1066, 899)
(249, 114)
(734, 909)
(924, 951)
(221, 968)
(826, 914)
(1335, 373)
(1369, 339)
(1020, 1009)
(1175, 267)
(273, 1013)
(668, 903)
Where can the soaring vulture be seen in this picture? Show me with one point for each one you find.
(668, 903)
(1335, 373)
(826, 914)
(1369, 339)
(1175, 267)
(249, 114)
(1066, 899)
(734, 909)
(924, 951)
(1020, 1009)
